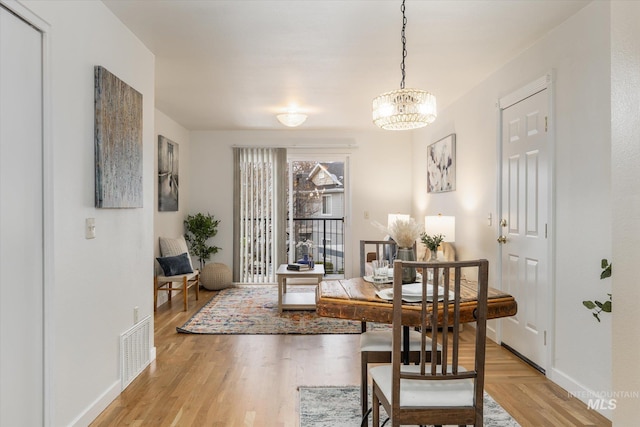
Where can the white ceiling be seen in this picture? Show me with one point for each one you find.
(230, 65)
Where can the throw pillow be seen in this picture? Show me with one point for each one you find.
(175, 265)
(174, 246)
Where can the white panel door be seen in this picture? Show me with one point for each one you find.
(525, 174)
(21, 224)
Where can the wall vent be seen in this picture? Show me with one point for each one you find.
(134, 351)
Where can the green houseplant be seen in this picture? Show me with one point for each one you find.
(596, 306)
(200, 228)
(432, 242)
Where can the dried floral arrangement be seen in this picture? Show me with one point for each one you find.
(405, 233)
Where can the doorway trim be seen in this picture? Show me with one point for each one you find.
(48, 280)
(546, 81)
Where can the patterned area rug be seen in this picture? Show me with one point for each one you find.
(340, 406)
(253, 310)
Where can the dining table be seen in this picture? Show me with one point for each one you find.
(356, 299)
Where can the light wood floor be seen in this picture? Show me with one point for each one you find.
(252, 380)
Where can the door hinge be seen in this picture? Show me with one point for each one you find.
(545, 337)
(546, 234)
(546, 123)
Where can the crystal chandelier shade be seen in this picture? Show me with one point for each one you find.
(404, 109)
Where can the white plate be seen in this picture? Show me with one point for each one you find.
(370, 279)
(387, 294)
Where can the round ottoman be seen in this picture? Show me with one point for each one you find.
(216, 276)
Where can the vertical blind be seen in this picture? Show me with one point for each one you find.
(259, 213)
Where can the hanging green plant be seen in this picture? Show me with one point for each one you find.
(597, 306)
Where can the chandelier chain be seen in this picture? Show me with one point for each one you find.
(404, 43)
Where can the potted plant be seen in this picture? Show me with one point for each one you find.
(200, 228)
(432, 242)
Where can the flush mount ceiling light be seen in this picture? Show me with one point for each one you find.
(404, 109)
(291, 119)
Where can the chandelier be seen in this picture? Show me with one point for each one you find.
(404, 109)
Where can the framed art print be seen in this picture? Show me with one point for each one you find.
(441, 165)
(168, 161)
(118, 142)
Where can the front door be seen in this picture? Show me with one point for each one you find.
(524, 224)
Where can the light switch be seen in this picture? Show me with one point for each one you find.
(90, 228)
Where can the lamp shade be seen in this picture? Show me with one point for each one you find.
(439, 224)
(291, 119)
(404, 109)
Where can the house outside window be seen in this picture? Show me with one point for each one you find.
(316, 194)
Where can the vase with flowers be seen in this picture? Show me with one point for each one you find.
(405, 234)
(432, 243)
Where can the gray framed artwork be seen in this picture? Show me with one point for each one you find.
(118, 142)
(168, 161)
(441, 165)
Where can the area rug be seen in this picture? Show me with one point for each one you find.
(253, 310)
(340, 407)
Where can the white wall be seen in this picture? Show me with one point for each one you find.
(625, 157)
(97, 283)
(170, 224)
(379, 177)
(578, 50)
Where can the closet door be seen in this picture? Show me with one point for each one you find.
(21, 224)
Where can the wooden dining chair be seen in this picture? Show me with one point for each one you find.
(375, 249)
(375, 345)
(431, 392)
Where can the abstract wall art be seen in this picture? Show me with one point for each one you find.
(118, 142)
(441, 165)
(168, 161)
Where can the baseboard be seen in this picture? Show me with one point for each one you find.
(98, 405)
(163, 297)
(525, 359)
(492, 333)
(580, 392)
(101, 403)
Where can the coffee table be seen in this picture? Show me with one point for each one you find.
(298, 300)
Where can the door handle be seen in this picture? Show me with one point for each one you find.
(502, 239)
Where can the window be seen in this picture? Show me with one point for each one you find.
(326, 205)
(316, 194)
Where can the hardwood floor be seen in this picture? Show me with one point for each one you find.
(252, 380)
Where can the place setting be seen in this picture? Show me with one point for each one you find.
(411, 292)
